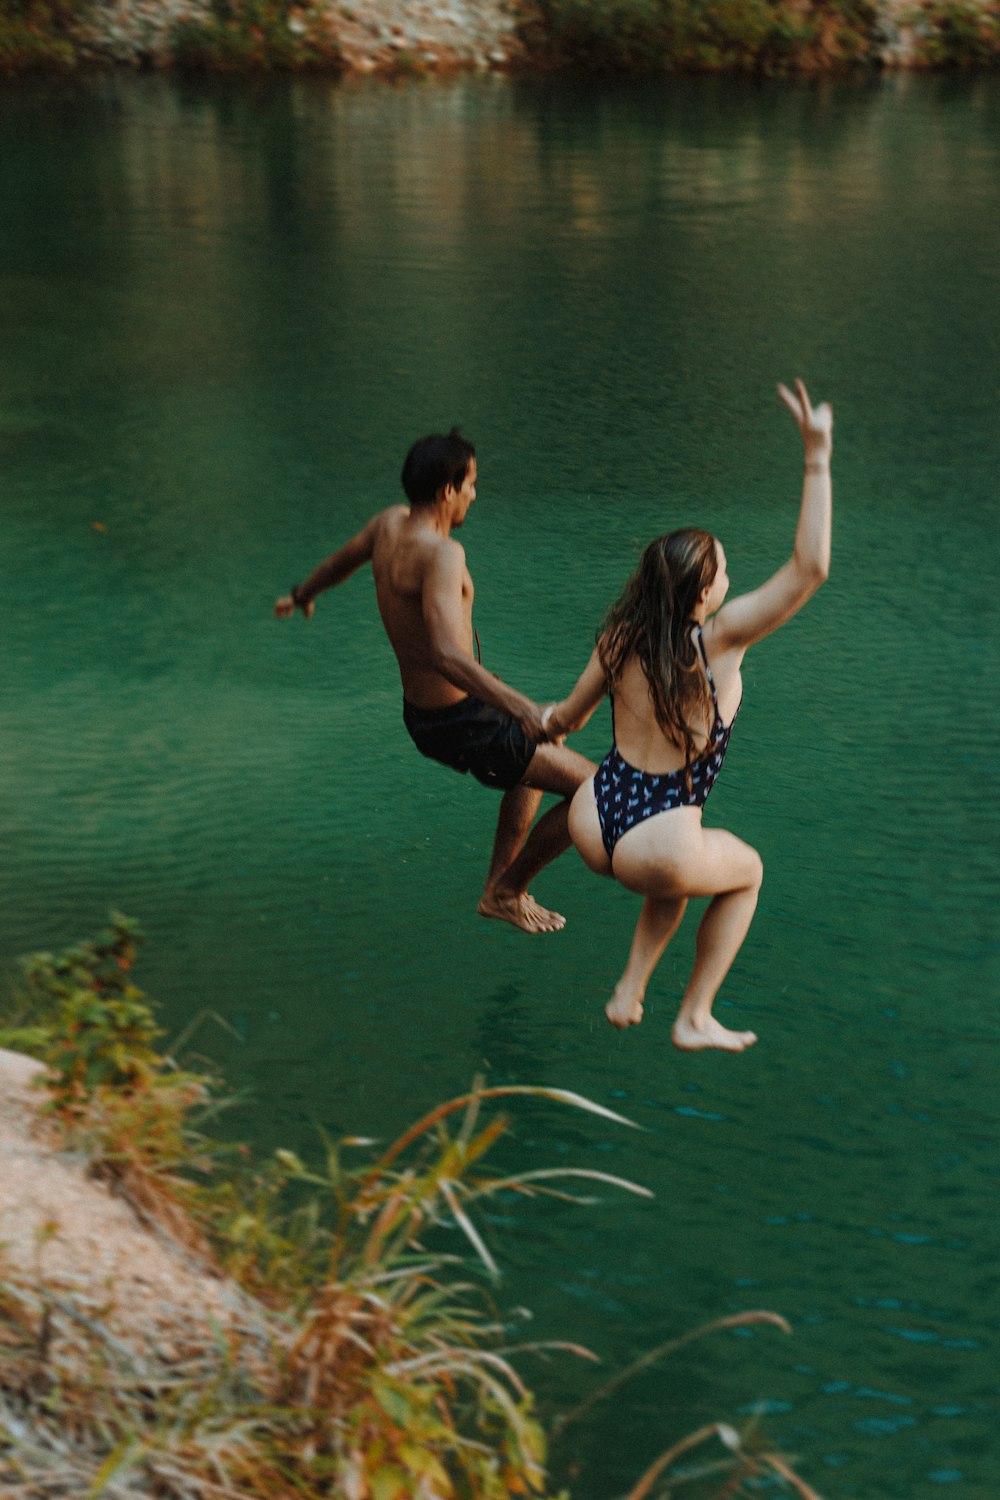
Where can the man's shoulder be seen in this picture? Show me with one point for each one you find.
(385, 530)
(447, 551)
(441, 567)
(389, 518)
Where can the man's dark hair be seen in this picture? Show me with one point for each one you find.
(434, 462)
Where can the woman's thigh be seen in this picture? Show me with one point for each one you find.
(585, 829)
(672, 854)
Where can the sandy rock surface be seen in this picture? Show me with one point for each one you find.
(430, 34)
(60, 1228)
(384, 36)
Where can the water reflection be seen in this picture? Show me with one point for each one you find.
(225, 314)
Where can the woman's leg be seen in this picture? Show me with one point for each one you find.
(660, 919)
(720, 937)
(672, 856)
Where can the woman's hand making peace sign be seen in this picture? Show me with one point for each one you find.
(815, 425)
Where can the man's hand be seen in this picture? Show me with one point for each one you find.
(816, 426)
(286, 606)
(530, 720)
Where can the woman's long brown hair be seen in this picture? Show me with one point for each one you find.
(652, 620)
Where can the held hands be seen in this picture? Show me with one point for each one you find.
(537, 724)
(814, 423)
(550, 730)
(531, 720)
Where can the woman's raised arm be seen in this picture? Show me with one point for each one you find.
(748, 617)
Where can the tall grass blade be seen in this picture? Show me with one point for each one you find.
(468, 1228)
(543, 1173)
(501, 1091)
(662, 1351)
(778, 1464)
(693, 1440)
(117, 1462)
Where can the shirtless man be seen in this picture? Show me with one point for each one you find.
(455, 711)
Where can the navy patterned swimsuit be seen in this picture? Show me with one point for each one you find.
(626, 796)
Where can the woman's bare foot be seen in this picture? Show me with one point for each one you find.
(624, 1008)
(521, 910)
(692, 1036)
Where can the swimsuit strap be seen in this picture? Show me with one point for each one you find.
(704, 657)
(479, 649)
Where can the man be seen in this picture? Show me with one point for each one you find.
(455, 711)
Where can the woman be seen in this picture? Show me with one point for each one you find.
(669, 655)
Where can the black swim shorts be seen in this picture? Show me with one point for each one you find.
(472, 736)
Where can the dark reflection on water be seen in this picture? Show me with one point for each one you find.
(224, 314)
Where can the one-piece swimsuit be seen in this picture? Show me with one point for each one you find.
(626, 796)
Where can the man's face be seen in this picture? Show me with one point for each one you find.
(465, 495)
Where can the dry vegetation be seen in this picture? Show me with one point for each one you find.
(289, 1331)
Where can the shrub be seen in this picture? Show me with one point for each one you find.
(956, 33)
(760, 36)
(256, 35)
(37, 34)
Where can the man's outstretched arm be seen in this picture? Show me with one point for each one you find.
(333, 570)
(442, 608)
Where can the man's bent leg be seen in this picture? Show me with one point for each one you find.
(517, 810)
(552, 768)
(506, 895)
(517, 813)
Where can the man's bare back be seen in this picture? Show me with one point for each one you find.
(404, 554)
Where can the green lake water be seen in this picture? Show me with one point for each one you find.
(225, 312)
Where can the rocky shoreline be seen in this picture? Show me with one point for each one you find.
(394, 38)
(370, 36)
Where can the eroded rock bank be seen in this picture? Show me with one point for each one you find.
(65, 1236)
(404, 37)
(367, 36)
(108, 1317)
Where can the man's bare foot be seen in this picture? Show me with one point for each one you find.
(521, 910)
(624, 1008)
(692, 1037)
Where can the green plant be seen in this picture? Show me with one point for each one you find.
(956, 33)
(257, 36)
(126, 1105)
(37, 34)
(760, 36)
(608, 35)
(98, 1028)
(426, 1375)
